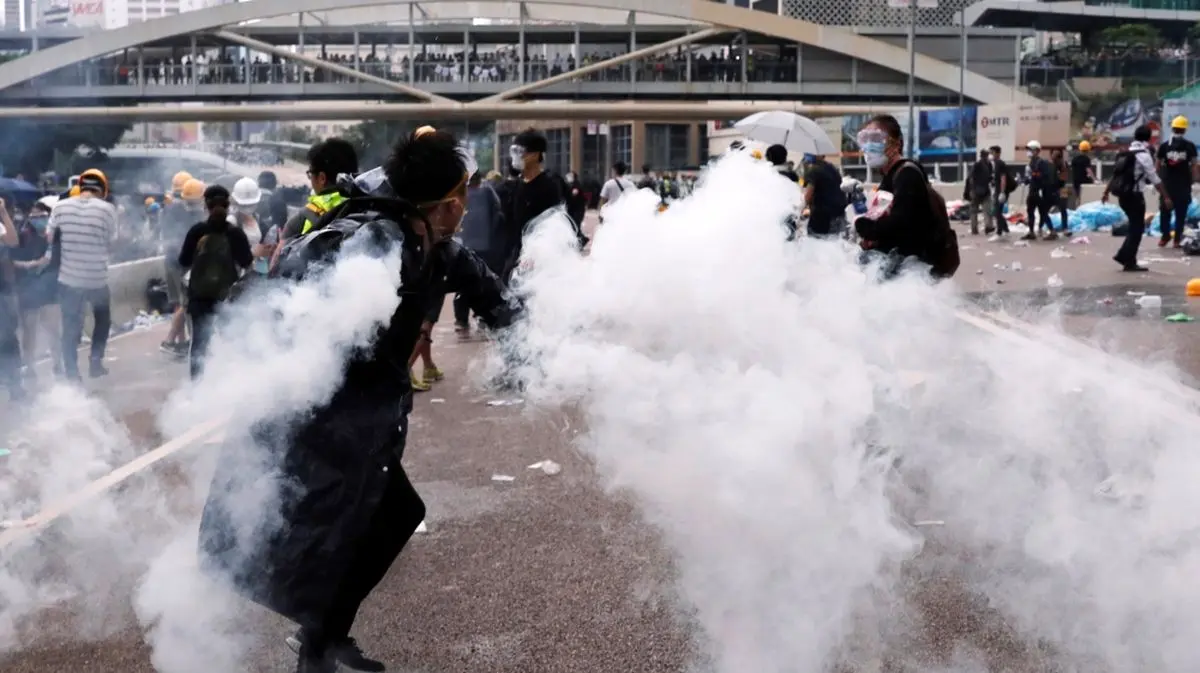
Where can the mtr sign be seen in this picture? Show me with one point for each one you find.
(987, 122)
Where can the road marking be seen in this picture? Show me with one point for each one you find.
(36, 523)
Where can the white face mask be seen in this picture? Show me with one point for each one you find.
(1029, 153)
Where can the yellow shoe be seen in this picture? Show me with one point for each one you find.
(418, 383)
(432, 374)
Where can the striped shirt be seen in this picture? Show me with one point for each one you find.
(89, 227)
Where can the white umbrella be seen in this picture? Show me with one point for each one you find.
(795, 132)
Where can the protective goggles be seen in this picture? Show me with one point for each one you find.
(517, 151)
(870, 136)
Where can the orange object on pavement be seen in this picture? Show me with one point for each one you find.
(1193, 287)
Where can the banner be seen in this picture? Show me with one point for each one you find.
(1012, 126)
(86, 14)
(1172, 108)
(938, 133)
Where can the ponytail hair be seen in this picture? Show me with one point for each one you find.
(216, 200)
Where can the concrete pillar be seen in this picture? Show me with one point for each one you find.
(575, 161)
(496, 155)
(637, 146)
(693, 145)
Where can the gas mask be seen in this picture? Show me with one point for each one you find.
(516, 155)
(873, 144)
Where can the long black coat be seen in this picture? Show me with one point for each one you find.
(282, 528)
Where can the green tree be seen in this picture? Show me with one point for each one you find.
(1131, 35)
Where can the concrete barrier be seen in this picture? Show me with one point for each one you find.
(127, 285)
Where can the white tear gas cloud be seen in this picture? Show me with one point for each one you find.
(756, 399)
(276, 356)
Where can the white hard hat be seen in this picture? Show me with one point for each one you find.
(1033, 145)
(48, 201)
(246, 192)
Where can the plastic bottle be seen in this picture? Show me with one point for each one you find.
(1150, 301)
(1054, 286)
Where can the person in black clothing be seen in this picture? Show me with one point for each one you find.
(978, 193)
(326, 161)
(350, 508)
(1062, 176)
(1082, 174)
(576, 199)
(1040, 179)
(907, 229)
(777, 155)
(824, 196)
(648, 180)
(536, 191)
(1177, 166)
(201, 307)
(1131, 196)
(1000, 189)
(37, 289)
(272, 209)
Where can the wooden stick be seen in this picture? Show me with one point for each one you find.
(35, 523)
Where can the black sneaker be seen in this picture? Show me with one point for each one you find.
(347, 653)
(97, 369)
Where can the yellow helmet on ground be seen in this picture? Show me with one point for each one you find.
(94, 178)
(192, 190)
(1180, 123)
(1085, 146)
(178, 181)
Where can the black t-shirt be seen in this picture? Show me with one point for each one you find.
(908, 227)
(1177, 157)
(534, 198)
(828, 200)
(1080, 165)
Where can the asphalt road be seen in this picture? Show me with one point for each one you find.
(550, 572)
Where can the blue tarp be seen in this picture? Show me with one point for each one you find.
(1094, 216)
(1192, 218)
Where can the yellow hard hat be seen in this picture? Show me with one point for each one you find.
(1085, 146)
(92, 176)
(149, 201)
(423, 131)
(757, 154)
(1179, 122)
(74, 191)
(1193, 287)
(192, 190)
(180, 178)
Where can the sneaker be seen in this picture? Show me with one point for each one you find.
(1030, 236)
(309, 664)
(432, 374)
(168, 347)
(1050, 237)
(347, 653)
(97, 370)
(1162, 242)
(418, 384)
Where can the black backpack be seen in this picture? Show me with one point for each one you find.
(943, 257)
(1124, 180)
(372, 221)
(214, 271)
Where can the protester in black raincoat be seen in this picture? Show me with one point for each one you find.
(348, 507)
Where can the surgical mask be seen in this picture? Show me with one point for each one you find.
(570, 179)
(873, 144)
(1029, 153)
(875, 154)
(39, 222)
(516, 155)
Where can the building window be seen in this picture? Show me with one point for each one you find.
(667, 146)
(595, 157)
(622, 143)
(558, 150)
